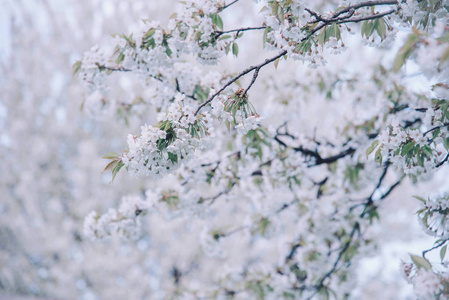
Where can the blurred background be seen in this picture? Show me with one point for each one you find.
(51, 149)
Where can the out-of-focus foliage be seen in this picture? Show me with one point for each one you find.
(266, 140)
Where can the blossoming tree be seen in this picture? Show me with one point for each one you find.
(312, 198)
(264, 183)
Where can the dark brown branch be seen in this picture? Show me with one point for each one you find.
(372, 17)
(385, 195)
(355, 228)
(443, 161)
(256, 73)
(349, 10)
(234, 231)
(379, 182)
(334, 158)
(234, 79)
(318, 17)
(434, 247)
(120, 69)
(435, 128)
(225, 192)
(364, 4)
(227, 5)
(318, 159)
(220, 33)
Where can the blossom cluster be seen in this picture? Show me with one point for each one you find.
(237, 111)
(287, 30)
(427, 283)
(407, 149)
(164, 147)
(123, 221)
(434, 216)
(424, 14)
(290, 26)
(195, 26)
(91, 69)
(176, 202)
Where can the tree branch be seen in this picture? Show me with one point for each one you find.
(355, 228)
(372, 17)
(443, 161)
(434, 247)
(381, 178)
(234, 79)
(256, 73)
(219, 33)
(227, 5)
(365, 4)
(335, 18)
(435, 128)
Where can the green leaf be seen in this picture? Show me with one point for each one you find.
(420, 198)
(110, 165)
(427, 150)
(364, 28)
(219, 22)
(216, 20)
(228, 46)
(235, 49)
(371, 148)
(228, 125)
(224, 37)
(173, 157)
(420, 160)
(407, 147)
(263, 9)
(378, 156)
(433, 3)
(444, 56)
(76, 67)
(168, 51)
(335, 31)
(368, 28)
(421, 262)
(443, 252)
(381, 28)
(120, 58)
(149, 33)
(322, 36)
(405, 51)
(111, 155)
(265, 33)
(280, 15)
(276, 63)
(116, 169)
(446, 143)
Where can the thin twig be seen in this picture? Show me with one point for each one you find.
(234, 79)
(227, 5)
(434, 247)
(120, 69)
(365, 4)
(219, 33)
(443, 161)
(381, 178)
(355, 229)
(435, 128)
(372, 17)
(256, 73)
